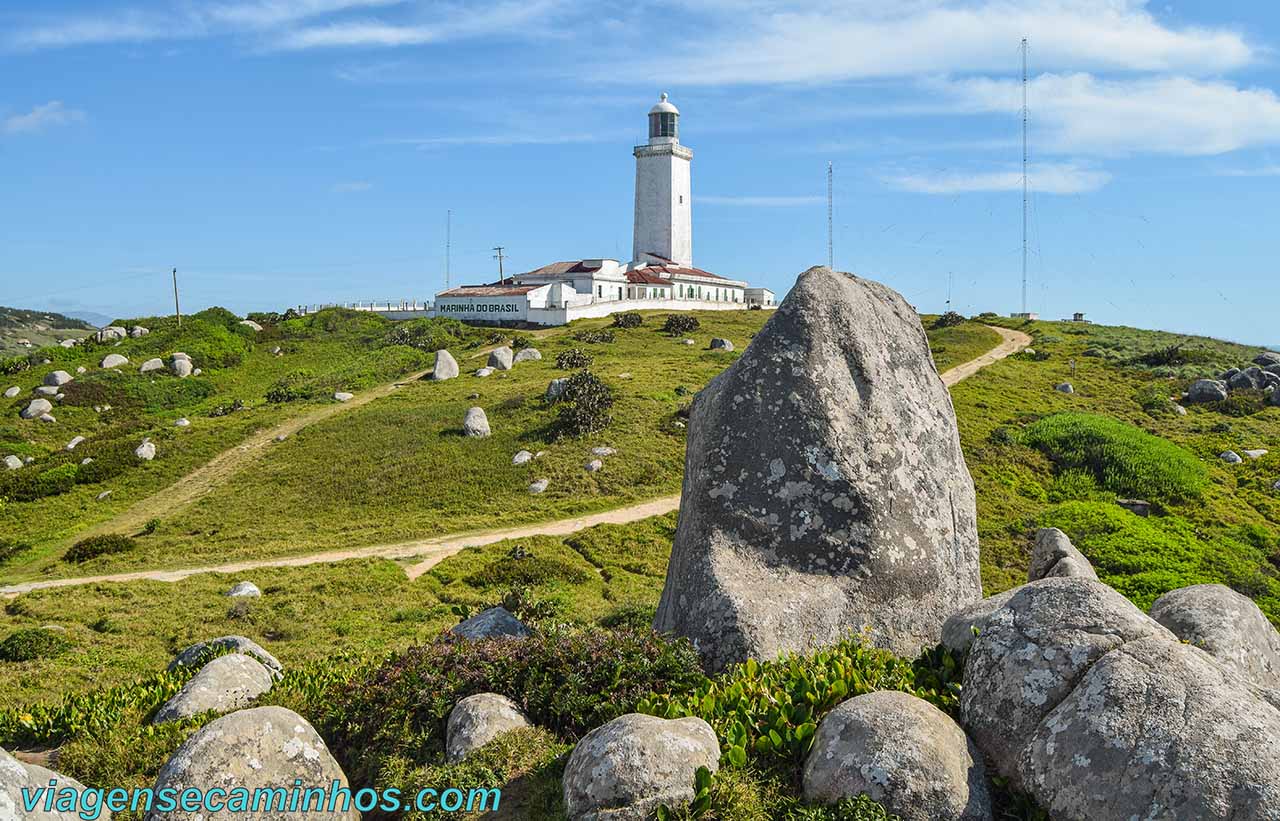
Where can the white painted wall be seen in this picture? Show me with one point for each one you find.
(664, 203)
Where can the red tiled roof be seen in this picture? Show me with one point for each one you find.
(642, 276)
(490, 290)
(573, 266)
(679, 269)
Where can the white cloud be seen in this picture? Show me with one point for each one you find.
(1051, 178)
(268, 13)
(765, 202)
(1082, 114)
(351, 187)
(502, 18)
(496, 139)
(51, 114)
(1256, 171)
(818, 41)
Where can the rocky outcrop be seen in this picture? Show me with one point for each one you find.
(475, 423)
(15, 776)
(1207, 390)
(496, 622)
(476, 720)
(224, 684)
(957, 630)
(1053, 555)
(111, 333)
(1226, 625)
(623, 770)
(824, 489)
(266, 747)
(902, 752)
(445, 367)
(1267, 359)
(198, 654)
(500, 358)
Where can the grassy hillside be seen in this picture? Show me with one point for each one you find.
(38, 328)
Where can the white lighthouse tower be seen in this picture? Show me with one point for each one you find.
(663, 224)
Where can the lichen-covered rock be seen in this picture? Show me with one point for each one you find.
(445, 367)
(1267, 359)
(718, 344)
(12, 462)
(623, 770)
(1157, 730)
(111, 333)
(555, 389)
(36, 408)
(265, 747)
(199, 653)
(528, 355)
(181, 368)
(496, 622)
(957, 630)
(114, 360)
(224, 684)
(500, 358)
(483, 372)
(902, 752)
(1065, 387)
(1207, 390)
(475, 423)
(1053, 555)
(146, 451)
(137, 332)
(153, 364)
(824, 490)
(476, 720)
(12, 391)
(1230, 457)
(15, 776)
(1226, 625)
(57, 378)
(539, 486)
(1246, 380)
(1033, 651)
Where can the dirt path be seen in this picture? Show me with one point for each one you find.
(433, 550)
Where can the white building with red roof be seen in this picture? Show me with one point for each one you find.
(660, 275)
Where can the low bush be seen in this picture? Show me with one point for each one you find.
(431, 335)
(33, 643)
(1174, 356)
(680, 324)
(530, 571)
(567, 681)
(595, 337)
(630, 319)
(584, 406)
(1240, 403)
(519, 342)
(573, 359)
(358, 326)
(1154, 399)
(948, 320)
(1125, 460)
(94, 546)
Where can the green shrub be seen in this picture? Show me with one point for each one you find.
(11, 549)
(1154, 399)
(1124, 459)
(630, 319)
(94, 546)
(1174, 356)
(595, 337)
(529, 571)
(584, 406)
(680, 324)
(33, 643)
(573, 359)
(566, 680)
(344, 323)
(948, 320)
(1240, 403)
(430, 335)
(519, 342)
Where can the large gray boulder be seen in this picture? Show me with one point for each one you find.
(153, 364)
(528, 355)
(111, 333)
(1033, 651)
(475, 423)
(496, 622)
(1053, 555)
(36, 408)
(199, 653)
(57, 378)
(445, 367)
(114, 360)
(224, 684)
(824, 490)
(15, 776)
(181, 367)
(476, 720)
(1226, 625)
(137, 332)
(1207, 390)
(1267, 359)
(500, 358)
(1157, 730)
(902, 752)
(957, 630)
(267, 748)
(623, 770)
(1247, 379)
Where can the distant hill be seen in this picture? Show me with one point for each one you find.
(95, 319)
(37, 328)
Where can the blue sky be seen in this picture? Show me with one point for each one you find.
(296, 151)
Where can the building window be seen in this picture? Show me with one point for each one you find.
(600, 291)
(682, 199)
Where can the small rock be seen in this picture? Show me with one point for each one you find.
(114, 360)
(153, 364)
(182, 368)
(483, 372)
(625, 375)
(69, 343)
(249, 323)
(528, 355)
(74, 441)
(104, 494)
(625, 769)
(473, 396)
(475, 423)
(1230, 457)
(555, 389)
(224, 684)
(496, 622)
(179, 355)
(718, 344)
(48, 418)
(343, 396)
(197, 372)
(594, 466)
(280, 437)
(47, 390)
(247, 590)
(276, 351)
(1065, 387)
(12, 392)
(182, 422)
(197, 654)
(476, 720)
(36, 408)
(501, 358)
(1257, 453)
(690, 342)
(603, 451)
(521, 457)
(57, 378)
(12, 462)
(146, 451)
(1178, 409)
(1138, 507)
(88, 460)
(539, 486)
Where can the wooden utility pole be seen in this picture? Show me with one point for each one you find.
(176, 310)
(499, 257)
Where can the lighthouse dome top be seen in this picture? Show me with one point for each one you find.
(664, 107)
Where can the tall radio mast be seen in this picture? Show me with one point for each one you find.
(1024, 175)
(448, 242)
(831, 255)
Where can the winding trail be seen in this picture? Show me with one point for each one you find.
(431, 551)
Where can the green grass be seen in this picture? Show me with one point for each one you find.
(959, 343)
